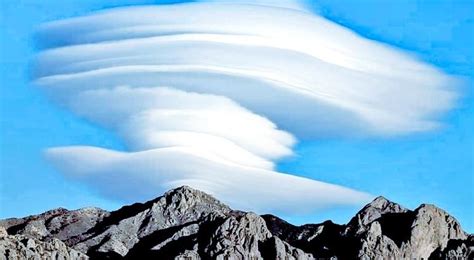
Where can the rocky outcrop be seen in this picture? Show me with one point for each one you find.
(380, 206)
(59, 223)
(456, 249)
(410, 235)
(19, 247)
(188, 224)
(381, 230)
(123, 229)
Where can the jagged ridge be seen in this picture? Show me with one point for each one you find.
(189, 224)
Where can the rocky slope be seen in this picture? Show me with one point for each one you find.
(24, 247)
(188, 224)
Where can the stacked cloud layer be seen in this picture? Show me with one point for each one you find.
(197, 92)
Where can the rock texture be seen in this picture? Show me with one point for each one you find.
(188, 224)
(58, 223)
(21, 247)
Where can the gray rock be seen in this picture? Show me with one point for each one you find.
(235, 235)
(58, 223)
(456, 249)
(410, 235)
(19, 247)
(124, 228)
(238, 237)
(372, 211)
(188, 224)
(278, 249)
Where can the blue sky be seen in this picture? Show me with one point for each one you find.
(435, 167)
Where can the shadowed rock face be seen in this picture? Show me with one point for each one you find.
(188, 224)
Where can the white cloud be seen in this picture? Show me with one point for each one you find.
(291, 4)
(272, 61)
(159, 117)
(197, 92)
(137, 175)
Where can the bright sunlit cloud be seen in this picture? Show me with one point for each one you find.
(213, 94)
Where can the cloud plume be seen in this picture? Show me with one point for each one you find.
(212, 94)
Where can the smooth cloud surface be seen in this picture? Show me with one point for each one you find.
(138, 175)
(197, 92)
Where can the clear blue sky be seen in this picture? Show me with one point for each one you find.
(434, 167)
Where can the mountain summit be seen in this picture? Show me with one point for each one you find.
(186, 223)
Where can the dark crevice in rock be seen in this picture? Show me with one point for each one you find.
(323, 240)
(115, 217)
(94, 253)
(104, 255)
(267, 249)
(17, 228)
(397, 226)
(327, 243)
(206, 230)
(168, 251)
(150, 241)
(278, 227)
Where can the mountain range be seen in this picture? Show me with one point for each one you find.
(186, 223)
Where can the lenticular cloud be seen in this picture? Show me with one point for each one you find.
(212, 94)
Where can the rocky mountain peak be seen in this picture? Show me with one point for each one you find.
(186, 223)
(395, 232)
(380, 202)
(372, 211)
(382, 205)
(185, 196)
(428, 214)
